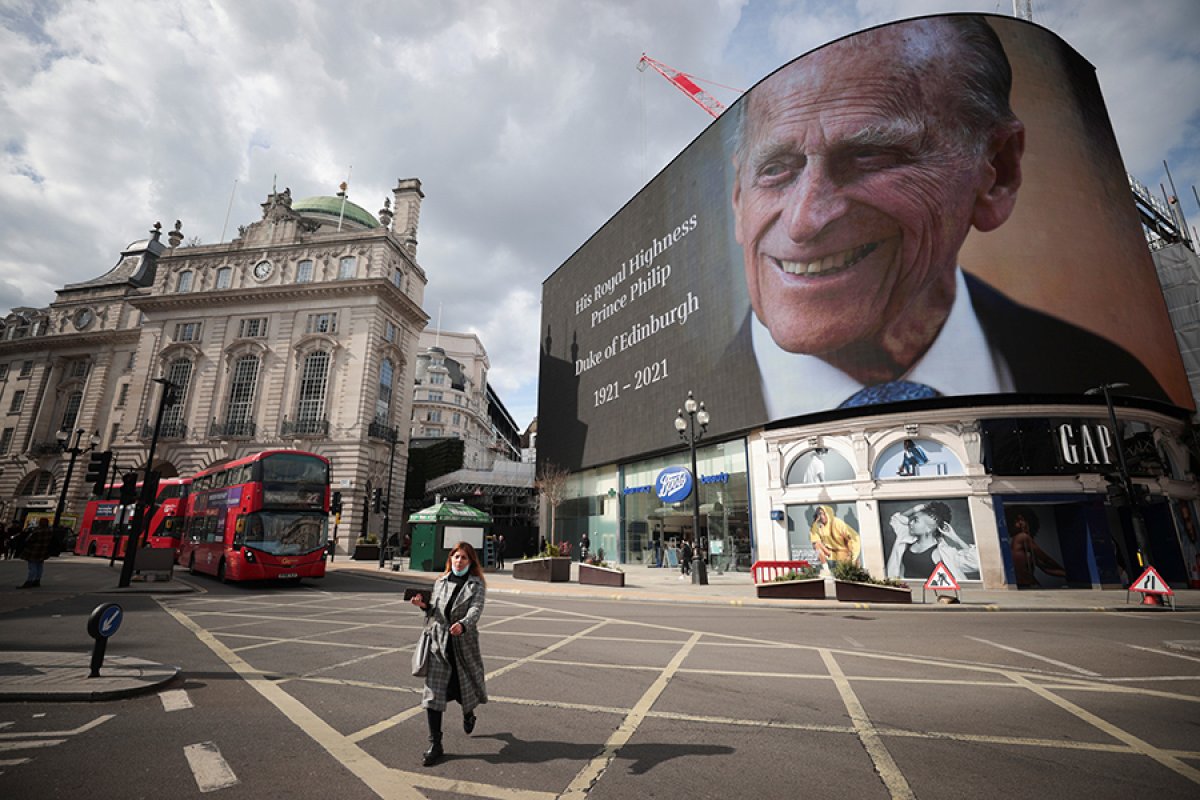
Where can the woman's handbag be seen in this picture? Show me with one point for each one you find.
(420, 656)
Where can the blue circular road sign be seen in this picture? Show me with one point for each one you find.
(104, 621)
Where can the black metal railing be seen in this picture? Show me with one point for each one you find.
(241, 429)
(40, 449)
(380, 430)
(168, 430)
(304, 427)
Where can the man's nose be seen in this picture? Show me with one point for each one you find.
(813, 201)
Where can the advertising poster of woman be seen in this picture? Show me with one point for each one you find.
(917, 534)
(823, 534)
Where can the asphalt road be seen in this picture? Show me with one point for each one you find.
(304, 692)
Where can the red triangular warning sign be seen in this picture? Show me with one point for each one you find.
(941, 578)
(1151, 583)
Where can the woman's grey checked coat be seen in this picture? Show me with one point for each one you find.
(467, 610)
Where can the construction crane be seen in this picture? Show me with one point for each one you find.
(687, 84)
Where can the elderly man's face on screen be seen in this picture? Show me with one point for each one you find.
(856, 185)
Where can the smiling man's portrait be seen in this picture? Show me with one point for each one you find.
(859, 171)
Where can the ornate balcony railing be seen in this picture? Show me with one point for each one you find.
(241, 429)
(304, 427)
(380, 430)
(166, 431)
(42, 449)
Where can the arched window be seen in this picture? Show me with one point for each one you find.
(184, 282)
(383, 403)
(38, 483)
(179, 372)
(71, 411)
(347, 267)
(819, 465)
(224, 277)
(304, 271)
(313, 379)
(239, 411)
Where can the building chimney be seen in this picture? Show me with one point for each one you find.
(407, 207)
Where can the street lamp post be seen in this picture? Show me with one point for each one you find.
(387, 512)
(1135, 509)
(62, 437)
(140, 508)
(687, 431)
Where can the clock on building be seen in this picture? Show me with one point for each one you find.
(262, 270)
(83, 318)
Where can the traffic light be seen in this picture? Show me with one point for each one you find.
(128, 488)
(97, 470)
(377, 500)
(335, 504)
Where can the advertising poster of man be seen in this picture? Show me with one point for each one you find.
(917, 534)
(894, 217)
(824, 534)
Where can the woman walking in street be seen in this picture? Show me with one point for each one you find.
(455, 663)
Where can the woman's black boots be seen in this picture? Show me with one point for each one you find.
(435, 752)
(469, 722)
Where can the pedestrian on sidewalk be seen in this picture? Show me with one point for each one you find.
(685, 558)
(35, 551)
(500, 551)
(585, 544)
(455, 663)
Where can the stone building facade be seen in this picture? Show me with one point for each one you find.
(302, 332)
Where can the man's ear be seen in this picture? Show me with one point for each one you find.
(737, 202)
(1001, 178)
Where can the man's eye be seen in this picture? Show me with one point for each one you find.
(775, 172)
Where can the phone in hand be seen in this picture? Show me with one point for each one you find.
(426, 594)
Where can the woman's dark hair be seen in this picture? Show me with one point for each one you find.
(1031, 518)
(939, 511)
(474, 568)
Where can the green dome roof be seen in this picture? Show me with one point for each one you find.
(331, 207)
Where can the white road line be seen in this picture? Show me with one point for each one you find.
(1028, 654)
(6, 746)
(12, 762)
(87, 726)
(1157, 651)
(208, 767)
(885, 765)
(586, 777)
(175, 700)
(1163, 757)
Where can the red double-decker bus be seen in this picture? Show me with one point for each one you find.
(106, 522)
(263, 517)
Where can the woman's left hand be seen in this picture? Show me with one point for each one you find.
(457, 629)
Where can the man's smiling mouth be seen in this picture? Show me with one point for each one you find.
(831, 263)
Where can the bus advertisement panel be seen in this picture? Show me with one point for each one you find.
(263, 517)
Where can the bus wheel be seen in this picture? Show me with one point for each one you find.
(221, 572)
(192, 565)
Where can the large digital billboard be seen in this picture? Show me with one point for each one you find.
(934, 208)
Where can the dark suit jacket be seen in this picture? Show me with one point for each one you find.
(1046, 356)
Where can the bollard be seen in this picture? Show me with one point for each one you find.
(103, 623)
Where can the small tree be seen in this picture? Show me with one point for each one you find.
(552, 484)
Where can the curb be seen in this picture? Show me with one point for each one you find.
(67, 681)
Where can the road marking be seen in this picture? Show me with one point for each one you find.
(87, 726)
(586, 777)
(208, 767)
(1157, 651)
(1138, 745)
(6, 746)
(175, 700)
(885, 765)
(1028, 654)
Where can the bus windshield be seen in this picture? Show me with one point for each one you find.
(285, 534)
(294, 468)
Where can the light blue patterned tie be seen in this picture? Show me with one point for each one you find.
(890, 392)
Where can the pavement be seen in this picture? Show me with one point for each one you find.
(63, 675)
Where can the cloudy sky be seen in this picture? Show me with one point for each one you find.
(526, 121)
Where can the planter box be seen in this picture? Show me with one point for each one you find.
(806, 589)
(551, 570)
(601, 576)
(852, 592)
(366, 552)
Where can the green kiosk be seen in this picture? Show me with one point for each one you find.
(436, 529)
